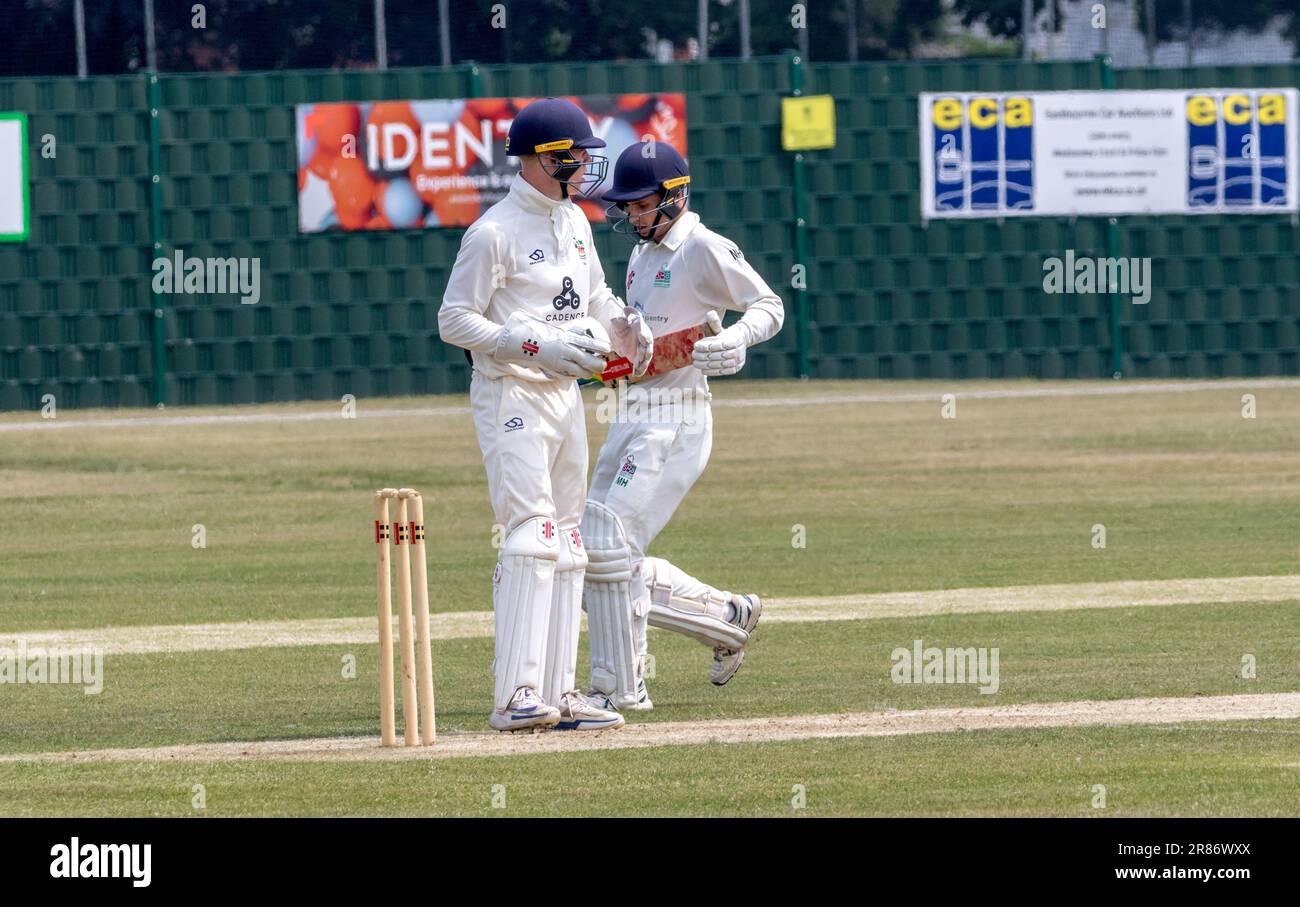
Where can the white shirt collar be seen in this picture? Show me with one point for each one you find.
(531, 198)
(679, 231)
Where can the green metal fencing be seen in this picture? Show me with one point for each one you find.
(887, 296)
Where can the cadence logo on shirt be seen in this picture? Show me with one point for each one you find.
(568, 296)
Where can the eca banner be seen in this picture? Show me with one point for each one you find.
(394, 165)
(1052, 153)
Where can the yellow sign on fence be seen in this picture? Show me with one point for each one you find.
(808, 122)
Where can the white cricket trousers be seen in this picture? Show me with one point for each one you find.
(643, 472)
(533, 436)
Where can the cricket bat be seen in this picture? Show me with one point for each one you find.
(672, 351)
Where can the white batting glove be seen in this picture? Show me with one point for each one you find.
(723, 353)
(557, 352)
(633, 340)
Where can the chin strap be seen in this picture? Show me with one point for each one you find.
(654, 228)
(673, 202)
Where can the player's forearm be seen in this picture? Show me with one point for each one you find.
(762, 320)
(468, 329)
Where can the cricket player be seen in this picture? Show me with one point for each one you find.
(527, 271)
(681, 275)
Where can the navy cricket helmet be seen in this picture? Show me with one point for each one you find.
(551, 128)
(646, 169)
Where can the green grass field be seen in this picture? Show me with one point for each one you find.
(97, 523)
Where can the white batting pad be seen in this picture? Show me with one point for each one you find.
(521, 600)
(559, 672)
(608, 595)
(680, 602)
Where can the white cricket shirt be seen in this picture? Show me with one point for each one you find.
(692, 271)
(527, 253)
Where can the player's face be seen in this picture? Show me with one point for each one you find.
(641, 212)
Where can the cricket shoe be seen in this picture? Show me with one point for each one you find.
(526, 712)
(746, 610)
(602, 700)
(577, 713)
(643, 703)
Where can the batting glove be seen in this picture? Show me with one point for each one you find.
(633, 340)
(723, 353)
(557, 352)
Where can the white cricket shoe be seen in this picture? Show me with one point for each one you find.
(746, 610)
(577, 713)
(526, 712)
(643, 703)
(602, 700)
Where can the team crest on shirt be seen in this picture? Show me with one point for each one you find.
(626, 473)
(663, 277)
(582, 250)
(631, 275)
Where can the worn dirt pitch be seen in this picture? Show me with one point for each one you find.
(748, 730)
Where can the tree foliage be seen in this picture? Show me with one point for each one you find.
(315, 34)
(1002, 17)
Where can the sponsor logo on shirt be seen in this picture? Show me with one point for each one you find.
(582, 250)
(536, 256)
(650, 319)
(630, 276)
(735, 253)
(663, 277)
(514, 424)
(568, 297)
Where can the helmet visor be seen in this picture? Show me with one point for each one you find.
(564, 166)
(625, 223)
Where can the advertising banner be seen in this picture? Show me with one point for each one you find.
(392, 165)
(1209, 151)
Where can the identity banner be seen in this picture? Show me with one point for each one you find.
(390, 165)
(1210, 151)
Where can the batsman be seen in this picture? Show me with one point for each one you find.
(527, 298)
(681, 275)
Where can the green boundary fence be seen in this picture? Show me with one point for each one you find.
(213, 172)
